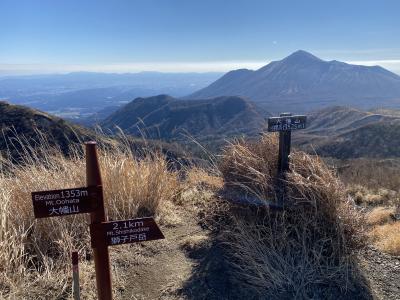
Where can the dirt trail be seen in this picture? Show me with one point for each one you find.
(167, 267)
(382, 272)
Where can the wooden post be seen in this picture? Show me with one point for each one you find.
(284, 148)
(75, 276)
(284, 124)
(100, 249)
(283, 160)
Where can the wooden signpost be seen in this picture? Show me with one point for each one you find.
(89, 199)
(100, 251)
(284, 124)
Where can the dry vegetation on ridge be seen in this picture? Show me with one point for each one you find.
(305, 252)
(34, 254)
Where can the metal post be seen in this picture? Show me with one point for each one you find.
(100, 250)
(283, 160)
(75, 276)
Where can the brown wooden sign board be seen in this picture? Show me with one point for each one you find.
(286, 123)
(57, 203)
(126, 231)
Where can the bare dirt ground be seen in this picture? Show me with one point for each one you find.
(187, 264)
(166, 265)
(382, 272)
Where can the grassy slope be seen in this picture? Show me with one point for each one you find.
(167, 118)
(343, 132)
(18, 121)
(24, 129)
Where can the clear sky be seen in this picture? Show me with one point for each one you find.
(184, 35)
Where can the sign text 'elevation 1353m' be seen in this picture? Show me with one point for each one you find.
(57, 203)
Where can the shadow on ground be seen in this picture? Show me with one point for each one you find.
(212, 279)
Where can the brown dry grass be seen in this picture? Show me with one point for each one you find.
(380, 215)
(387, 238)
(384, 230)
(34, 254)
(372, 197)
(307, 245)
(204, 178)
(371, 173)
(251, 167)
(381, 204)
(193, 242)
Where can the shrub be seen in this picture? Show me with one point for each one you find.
(372, 197)
(380, 215)
(387, 238)
(307, 245)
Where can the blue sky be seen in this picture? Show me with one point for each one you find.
(181, 35)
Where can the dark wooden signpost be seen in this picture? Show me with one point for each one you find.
(284, 124)
(89, 199)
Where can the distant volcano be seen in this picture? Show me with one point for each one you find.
(302, 82)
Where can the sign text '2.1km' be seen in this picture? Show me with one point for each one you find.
(126, 231)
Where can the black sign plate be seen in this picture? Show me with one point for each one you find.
(126, 231)
(57, 203)
(286, 123)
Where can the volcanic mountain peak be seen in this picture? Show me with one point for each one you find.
(302, 82)
(301, 55)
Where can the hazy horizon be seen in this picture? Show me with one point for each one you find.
(163, 67)
(187, 36)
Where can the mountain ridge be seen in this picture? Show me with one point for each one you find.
(26, 129)
(304, 82)
(345, 132)
(169, 118)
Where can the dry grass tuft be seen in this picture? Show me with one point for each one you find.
(34, 254)
(380, 215)
(194, 242)
(203, 178)
(372, 197)
(386, 238)
(250, 167)
(295, 251)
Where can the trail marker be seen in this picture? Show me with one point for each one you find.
(126, 231)
(286, 122)
(284, 125)
(57, 203)
(89, 199)
(100, 251)
(75, 276)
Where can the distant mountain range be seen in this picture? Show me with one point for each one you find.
(302, 82)
(344, 132)
(24, 129)
(234, 105)
(340, 132)
(168, 118)
(81, 94)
